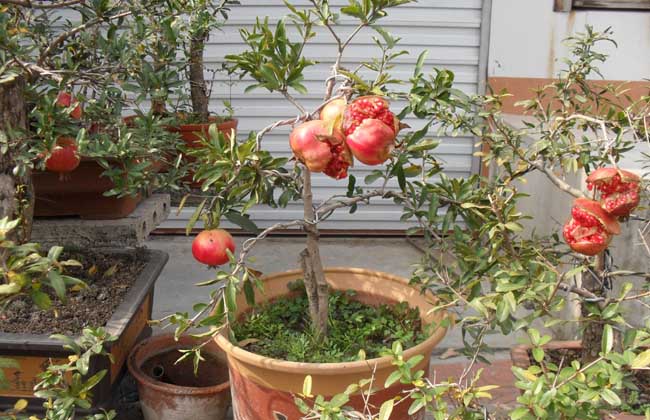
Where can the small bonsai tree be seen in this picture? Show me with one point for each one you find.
(173, 38)
(241, 174)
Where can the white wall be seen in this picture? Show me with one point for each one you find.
(526, 39)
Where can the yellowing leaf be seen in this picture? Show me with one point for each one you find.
(20, 405)
(306, 386)
(642, 360)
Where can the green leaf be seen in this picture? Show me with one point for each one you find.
(41, 300)
(386, 410)
(249, 292)
(611, 397)
(57, 283)
(538, 354)
(420, 63)
(9, 289)
(231, 298)
(242, 221)
(195, 217)
(392, 378)
(423, 145)
(519, 413)
(608, 339)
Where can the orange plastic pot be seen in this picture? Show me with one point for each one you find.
(264, 388)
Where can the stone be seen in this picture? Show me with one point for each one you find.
(128, 232)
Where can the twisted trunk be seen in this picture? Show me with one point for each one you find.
(312, 265)
(198, 86)
(16, 191)
(592, 335)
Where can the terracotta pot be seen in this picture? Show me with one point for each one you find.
(521, 359)
(192, 135)
(263, 388)
(80, 193)
(170, 390)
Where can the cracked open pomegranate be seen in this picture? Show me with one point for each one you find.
(590, 228)
(64, 156)
(209, 247)
(333, 112)
(370, 129)
(619, 190)
(321, 147)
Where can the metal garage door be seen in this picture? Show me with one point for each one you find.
(449, 29)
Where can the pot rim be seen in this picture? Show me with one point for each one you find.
(229, 123)
(519, 353)
(145, 380)
(360, 366)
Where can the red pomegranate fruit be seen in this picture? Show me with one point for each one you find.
(619, 190)
(321, 148)
(64, 99)
(209, 247)
(333, 112)
(370, 129)
(590, 228)
(64, 157)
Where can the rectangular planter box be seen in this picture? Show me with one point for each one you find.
(80, 194)
(128, 323)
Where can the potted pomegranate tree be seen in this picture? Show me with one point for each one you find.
(355, 122)
(171, 41)
(488, 263)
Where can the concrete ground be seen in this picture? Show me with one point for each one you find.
(176, 290)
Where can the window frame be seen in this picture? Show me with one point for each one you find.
(621, 5)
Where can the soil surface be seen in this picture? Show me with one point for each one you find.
(108, 277)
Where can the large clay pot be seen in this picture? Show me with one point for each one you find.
(263, 388)
(169, 390)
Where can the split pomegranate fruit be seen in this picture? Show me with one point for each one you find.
(64, 157)
(209, 247)
(590, 228)
(619, 190)
(64, 99)
(321, 147)
(370, 129)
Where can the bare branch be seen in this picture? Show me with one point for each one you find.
(42, 5)
(59, 40)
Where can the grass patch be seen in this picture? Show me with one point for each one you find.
(282, 329)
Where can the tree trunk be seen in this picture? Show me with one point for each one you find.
(592, 335)
(16, 191)
(314, 276)
(198, 87)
